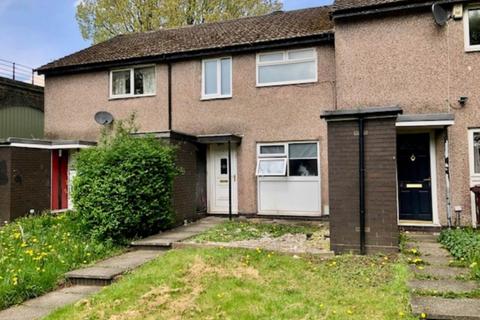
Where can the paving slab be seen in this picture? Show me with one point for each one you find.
(443, 309)
(39, 307)
(429, 248)
(423, 237)
(441, 272)
(24, 313)
(130, 260)
(94, 272)
(443, 285)
(437, 260)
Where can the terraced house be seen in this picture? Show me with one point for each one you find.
(395, 84)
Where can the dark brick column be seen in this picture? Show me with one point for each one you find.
(381, 231)
(30, 181)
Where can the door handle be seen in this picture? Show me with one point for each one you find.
(427, 179)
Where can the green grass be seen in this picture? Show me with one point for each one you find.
(250, 284)
(464, 245)
(246, 230)
(35, 252)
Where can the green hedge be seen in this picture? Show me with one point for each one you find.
(123, 187)
(464, 245)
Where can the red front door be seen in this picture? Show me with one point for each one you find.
(59, 198)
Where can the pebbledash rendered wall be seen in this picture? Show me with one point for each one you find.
(258, 114)
(405, 59)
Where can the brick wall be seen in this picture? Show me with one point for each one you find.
(5, 180)
(30, 182)
(380, 185)
(20, 94)
(185, 185)
(343, 185)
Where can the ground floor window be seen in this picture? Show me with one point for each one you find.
(288, 178)
(293, 159)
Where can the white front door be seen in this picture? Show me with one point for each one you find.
(218, 175)
(474, 157)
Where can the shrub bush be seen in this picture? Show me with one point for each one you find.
(123, 187)
(464, 245)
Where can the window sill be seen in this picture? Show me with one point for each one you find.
(132, 97)
(287, 83)
(215, 98)
(475, 48)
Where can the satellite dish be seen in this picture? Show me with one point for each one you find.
(103, 118)
(440, 15)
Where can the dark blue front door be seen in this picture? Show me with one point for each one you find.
(414, 176)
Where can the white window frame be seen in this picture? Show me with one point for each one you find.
(132, 83)
(285, 60)
(466, 29)
(259, 159)
(218, 94)
(272, 155)
(286, 156)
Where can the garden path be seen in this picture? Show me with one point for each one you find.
(87, 281)
(439, 290)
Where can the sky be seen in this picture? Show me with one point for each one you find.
(35, 32)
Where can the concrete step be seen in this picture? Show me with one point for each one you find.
(437, 260)
(105, 272)
(40, 307)
(441, 272)
(428, 248)
(443, 286)
(423, 237)
(443, 309)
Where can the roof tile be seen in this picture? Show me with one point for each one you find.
(244, 31)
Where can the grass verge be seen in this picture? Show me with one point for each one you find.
(464, 245)
(247, 230)
(251, 284)
(35, 252)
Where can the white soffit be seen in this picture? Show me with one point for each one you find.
(437, 120)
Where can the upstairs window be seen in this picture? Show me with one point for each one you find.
(286, 67)
(217, 78)
(472, 28)
(132, 82)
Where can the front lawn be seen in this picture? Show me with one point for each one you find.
(236, 230)
(464, 245)
(251, 284)
(35, 252)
